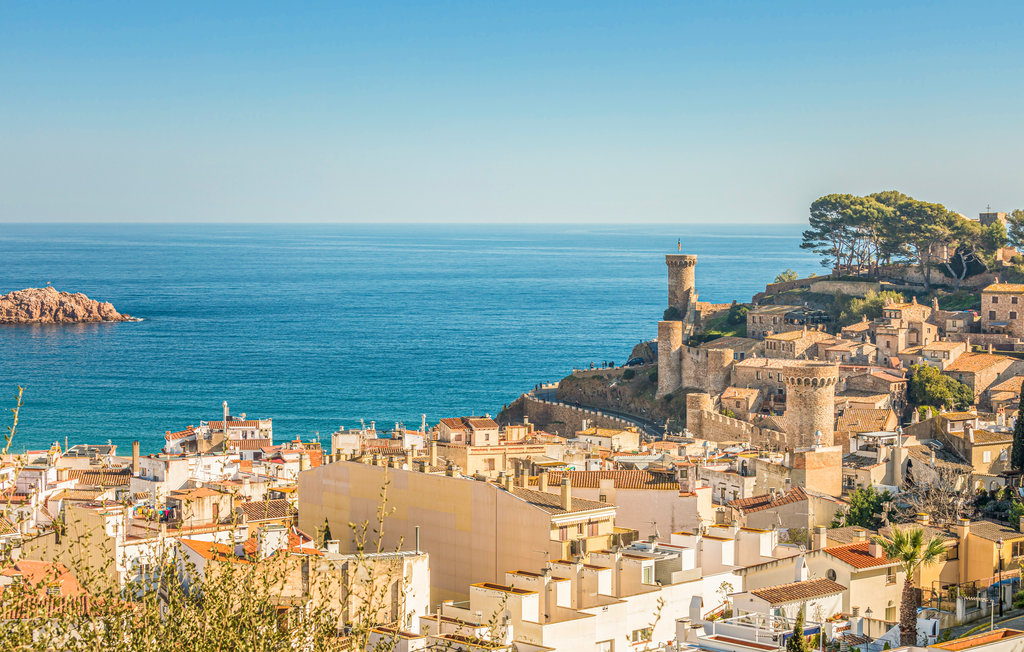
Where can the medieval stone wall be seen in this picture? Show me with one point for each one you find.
(559, 418)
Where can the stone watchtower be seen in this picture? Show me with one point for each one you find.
(810, 402)
(682, 283)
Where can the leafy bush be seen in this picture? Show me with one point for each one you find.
(788, 275)
(652, 376)
(628, 374)
(928, 386)
(672, 314)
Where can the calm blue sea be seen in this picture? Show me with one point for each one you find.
(319, 326)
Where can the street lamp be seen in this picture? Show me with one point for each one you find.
(999, 585)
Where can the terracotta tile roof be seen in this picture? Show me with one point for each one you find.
(212, 551)
(1009, 385)
(1005, 288)
(624, 479)
(863, 420)
(882, 375)
(264, 510)
(929, 531)
(856, 555)
(248, 444)
(994, 531)
(34, 606)
(974, 362)
(992, 436)
(455, 423)
(194, 494)
(799, 591)
(49, 574)
(942, 346)
(740, 392)
(106, 478)
(959, 416)
(251, 423)
(78, 494)
(482, 423)
(181, 434)
(984, 638)
(765, 501)
(552, 503)
(848, 534)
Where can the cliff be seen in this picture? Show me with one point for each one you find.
(48, 306)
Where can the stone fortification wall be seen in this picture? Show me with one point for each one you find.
(558, 418)
(850, 288)
(704, 422)
(785, 286)
(706, 369)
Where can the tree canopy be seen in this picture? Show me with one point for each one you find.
(928, 386)
(865, 508)
(861, 233)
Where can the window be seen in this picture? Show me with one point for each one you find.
(604, 646)
(890, 576)
(1013, 300)
(490, 463)
(640, 635)
(890, 612)
(986, 456)
(1013, 314)
(592, 529)
(992, 315)
(953, 552)
(995, 299)
(648, 575)
(563, 533)
(1018, 548)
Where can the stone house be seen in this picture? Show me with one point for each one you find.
(849, 352)
(1002, 307)
(985, 446)
(979, 371)
(937, 354)
(1005, 395)
(743, 401)
(854, 421)
(795, 344)
(764, 320)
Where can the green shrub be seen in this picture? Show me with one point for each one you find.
(652, 375)
(628, 374)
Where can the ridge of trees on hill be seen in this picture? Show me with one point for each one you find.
(890, 227)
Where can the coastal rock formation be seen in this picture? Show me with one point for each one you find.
(48, 306)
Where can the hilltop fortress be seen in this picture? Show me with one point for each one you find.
(730, 367)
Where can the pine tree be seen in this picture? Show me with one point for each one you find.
(1017, 453)
(797, 642)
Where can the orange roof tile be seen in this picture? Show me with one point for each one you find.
(765, 501)
(857, 555)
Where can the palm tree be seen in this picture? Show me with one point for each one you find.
(910, 548)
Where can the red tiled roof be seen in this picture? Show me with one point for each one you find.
(106, 478)
(263, 510)
(857, 555)
(248, 444)
(211, 550)
(181, 434)
(765, 501)
(624, 479)
(799, 591)
(234, 424)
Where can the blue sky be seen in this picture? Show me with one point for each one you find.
(503, 111)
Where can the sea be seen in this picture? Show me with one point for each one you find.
(322, 327)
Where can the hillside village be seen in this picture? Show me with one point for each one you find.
(795, 458)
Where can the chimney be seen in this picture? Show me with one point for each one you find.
(433, 453)
(566, 494)
(542, 481)
(408, 459)
(820, 537)
(989, 348)
(303, 461)
(524, 478)
(922, 519)
(860, 535)
(135, 458)
(801, 574)
(875, 550)
(935, 303)
(225, 406)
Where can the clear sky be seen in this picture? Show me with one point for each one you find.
(503, 111)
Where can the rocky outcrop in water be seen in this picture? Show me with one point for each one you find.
(48, 306)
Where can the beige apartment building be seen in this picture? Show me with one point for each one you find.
(474, 531)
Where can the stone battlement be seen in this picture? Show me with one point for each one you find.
(680, 260)
(811, 374)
